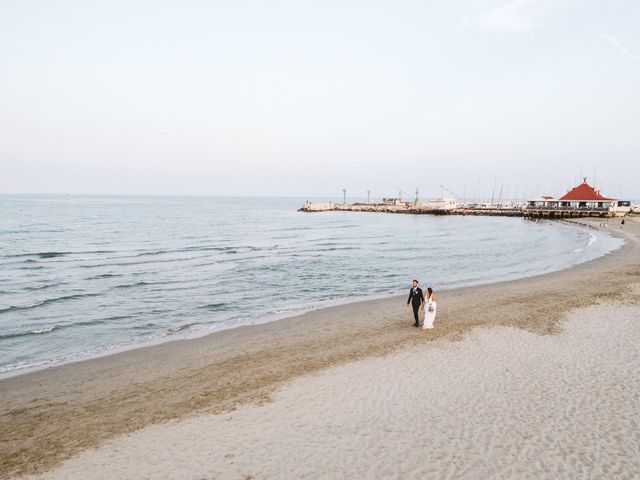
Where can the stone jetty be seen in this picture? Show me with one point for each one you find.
(412, 209)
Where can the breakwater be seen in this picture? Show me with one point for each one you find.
(412, 209)
(491, 210)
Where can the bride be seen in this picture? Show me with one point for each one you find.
(431, 306)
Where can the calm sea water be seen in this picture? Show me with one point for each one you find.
(83, 275)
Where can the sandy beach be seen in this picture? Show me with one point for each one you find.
(531, 378)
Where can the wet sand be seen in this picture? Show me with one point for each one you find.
(51, 415)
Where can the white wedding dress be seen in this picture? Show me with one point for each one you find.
(429, 313)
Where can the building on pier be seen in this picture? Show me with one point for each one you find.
(439, 204)
(581, 201)
(541, 201)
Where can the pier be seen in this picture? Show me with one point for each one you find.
(495, 211)
(538, 212)
(413, 209)
(581, 201)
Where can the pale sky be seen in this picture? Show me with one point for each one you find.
(304, 98)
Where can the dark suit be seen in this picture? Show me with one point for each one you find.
(416, 297)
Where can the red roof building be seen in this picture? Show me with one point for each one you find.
(584, 193)
(583, 200)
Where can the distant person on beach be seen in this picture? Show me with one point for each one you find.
(416, 299)
(431, 306)
(622, 223)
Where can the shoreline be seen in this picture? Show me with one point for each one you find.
(79, 405)
(337, 302)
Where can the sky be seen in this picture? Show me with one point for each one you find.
(305, 98)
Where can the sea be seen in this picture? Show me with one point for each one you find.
(82, 276)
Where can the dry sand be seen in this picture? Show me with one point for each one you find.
(507, 401)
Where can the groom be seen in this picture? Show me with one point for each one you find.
(416, 297)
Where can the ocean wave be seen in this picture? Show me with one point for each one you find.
(335, 249)
(195, 248)
(223, 265)
(215, 306)
(39, 254)
(104, 275)
(145, 326)
(153, 252)
(72, 256)
(43, 287)
(54, 254)
(129, 259)
(145, 262)
(52, 328)
(96, 321)
(192, 248)
(48, 258)
(137, 284)
(178, 329)
(348, 225)
(35, 331)
(47, 301)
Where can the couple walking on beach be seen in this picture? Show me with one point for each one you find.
(419, 300)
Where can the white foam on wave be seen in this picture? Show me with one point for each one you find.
(44, 330)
